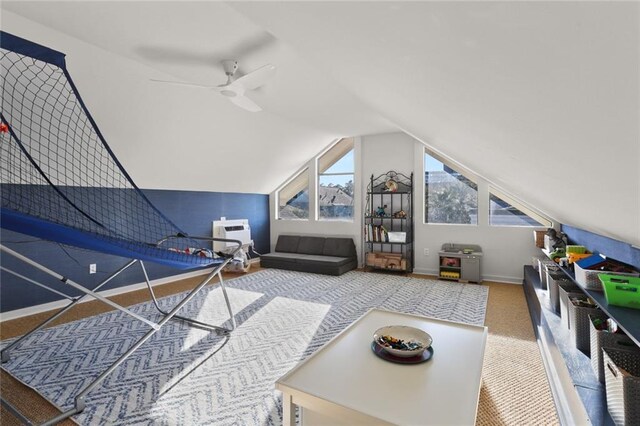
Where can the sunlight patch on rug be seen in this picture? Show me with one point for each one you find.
(213, 310)
(262, 349)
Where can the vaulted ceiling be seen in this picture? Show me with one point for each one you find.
(540, 98)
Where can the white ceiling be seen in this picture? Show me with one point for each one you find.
(541, 98)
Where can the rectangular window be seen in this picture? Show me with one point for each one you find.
(293, 198)
(450, 197)
(336, 169)
(502, 212)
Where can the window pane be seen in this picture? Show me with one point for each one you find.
(450, 196)
(335, 197)
(338, 159)
(502, 213)
(293, 199)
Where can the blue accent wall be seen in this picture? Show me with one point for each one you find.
(618, 250)
(192, 211)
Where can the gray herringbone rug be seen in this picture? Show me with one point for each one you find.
(188, 376)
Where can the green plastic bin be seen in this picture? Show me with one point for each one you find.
(621, 290)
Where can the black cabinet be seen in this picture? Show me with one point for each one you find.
(388, 223)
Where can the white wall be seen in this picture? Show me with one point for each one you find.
(506, 249)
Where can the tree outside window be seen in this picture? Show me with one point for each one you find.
(450, 197)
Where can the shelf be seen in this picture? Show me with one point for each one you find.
(450, 267)
(628, 319)
(385, 242)
(388, 193)
(385, 217)
(569, 371)
(387, 269)
(380, 200)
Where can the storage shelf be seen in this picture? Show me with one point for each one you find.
(569, 371)
(387, 192)
(385, 217)
(450, 267)
(383, 227)
(384, 242)
(627, 319)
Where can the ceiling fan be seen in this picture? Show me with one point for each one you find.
(235, 89)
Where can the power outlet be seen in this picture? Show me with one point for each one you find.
(92, 268)
(426, 252)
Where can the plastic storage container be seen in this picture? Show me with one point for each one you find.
(549, 268)
(554, 282)
(564, 302)
(588, 277)
(622, 381)
(542, 272)
(621, 290)
(604, 339)
(580, 323)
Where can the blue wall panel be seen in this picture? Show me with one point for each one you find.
(191, 210)
(618, 250)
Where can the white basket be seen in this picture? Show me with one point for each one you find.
(589, 280)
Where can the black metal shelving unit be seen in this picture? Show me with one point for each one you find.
(395, 190)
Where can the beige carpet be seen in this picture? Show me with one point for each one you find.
(515, 390)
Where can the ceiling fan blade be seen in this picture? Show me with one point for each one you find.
(245, 103)
(182, 83)
(257, 78)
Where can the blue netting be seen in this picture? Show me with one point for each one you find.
(59, 177)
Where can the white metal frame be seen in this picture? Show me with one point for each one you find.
(80, 404)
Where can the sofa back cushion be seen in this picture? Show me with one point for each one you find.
(341, 247)
(311, 245)
(288, 243)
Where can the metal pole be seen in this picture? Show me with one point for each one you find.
(4, 354)
(78, 286)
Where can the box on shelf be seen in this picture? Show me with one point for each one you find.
(553, 282)
(621, 290)
(575, 249)
(548, 268)
(579, 313)
(588, 269)
(565, 293)
(622, 382)
(538, 237)
(605, 339)
(574, 257)
(383, 260)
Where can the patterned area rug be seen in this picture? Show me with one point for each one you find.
(185, 375)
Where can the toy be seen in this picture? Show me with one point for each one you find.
(380, 212)
(391, 185)
(4, 128)
(400, 214)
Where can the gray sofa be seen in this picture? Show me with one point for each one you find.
(320, 255)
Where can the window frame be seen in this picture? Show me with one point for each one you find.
(319, 175)
(544, 222)
(282, 187)
(458, 169)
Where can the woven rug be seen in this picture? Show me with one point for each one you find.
(185, 375)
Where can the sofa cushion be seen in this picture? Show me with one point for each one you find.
(311, 259)
(288, 243)
(311, 245)
(341, 247)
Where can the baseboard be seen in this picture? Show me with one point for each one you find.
(492, 278)
(58, 304)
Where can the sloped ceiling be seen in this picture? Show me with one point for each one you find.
(540, 98)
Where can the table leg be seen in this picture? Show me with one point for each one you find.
(288, 410)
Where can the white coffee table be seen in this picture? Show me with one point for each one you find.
(344, 382)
